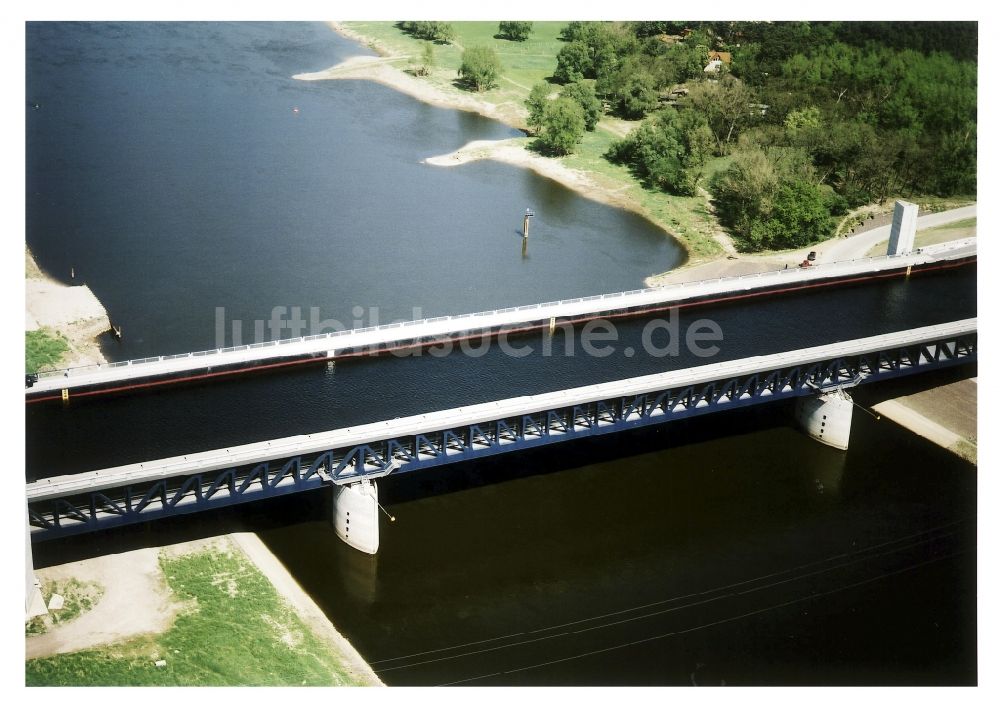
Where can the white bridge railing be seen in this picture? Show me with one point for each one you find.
(655, 294)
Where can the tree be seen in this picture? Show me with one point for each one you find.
(444, 32)
(428, 30)
(573, 63)
(744, 191)
(631, 89)
(801, 120)
(636, 96)
(423, 68)
(583, 94)
(689, 60)
(562, 126)
(668, 151)
(516, 31)
(955, 160)
(661, 27)
(573, 31)
(799, 216)
(726, 104)
(537, 99)
(480, 68)
(772, 202)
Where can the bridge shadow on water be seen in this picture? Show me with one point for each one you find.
(315, 506)
(583, 452)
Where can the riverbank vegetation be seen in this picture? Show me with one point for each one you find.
(235, 630)
(480, 68)
(43, 348)
(775, 130)
(76, 598)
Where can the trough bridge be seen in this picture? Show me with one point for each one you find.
(249, 359)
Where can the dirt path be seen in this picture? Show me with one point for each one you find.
(833, 250)
(136, 601)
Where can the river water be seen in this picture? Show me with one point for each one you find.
(167, 166)
(100, 432)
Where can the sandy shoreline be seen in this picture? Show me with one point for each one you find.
(381, 69)
(71, 310)
(945, 415)
(515, 153)
(437, 90)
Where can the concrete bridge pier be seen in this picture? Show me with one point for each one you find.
(355, 515)
(827, 417)
(34, 603)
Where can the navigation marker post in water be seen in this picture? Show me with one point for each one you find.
(524, 243)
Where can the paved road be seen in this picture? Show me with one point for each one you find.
(858, 245)
(833, 250)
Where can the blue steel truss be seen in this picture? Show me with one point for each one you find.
(155, 499)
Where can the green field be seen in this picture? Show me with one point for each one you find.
(525, 64)
(235, 631)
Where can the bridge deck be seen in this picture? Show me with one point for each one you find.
(455, 418)
(327, 346)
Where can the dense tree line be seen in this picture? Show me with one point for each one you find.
(434, 31)
(871, 110)
(813, 118)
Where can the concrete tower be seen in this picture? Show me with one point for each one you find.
(904, 228)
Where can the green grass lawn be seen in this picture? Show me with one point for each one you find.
(524, 63)
(236, 631)
(532, 61)
(42, 348)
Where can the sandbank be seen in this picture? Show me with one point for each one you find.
(72, 310)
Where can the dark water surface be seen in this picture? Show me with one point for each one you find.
(743, 554)
(166, 165)
(91, 433)
(725, 549)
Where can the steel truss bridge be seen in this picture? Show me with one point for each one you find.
(140, 492)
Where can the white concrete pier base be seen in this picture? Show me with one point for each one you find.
(827, 417)
(355, 515)
(34, 603)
